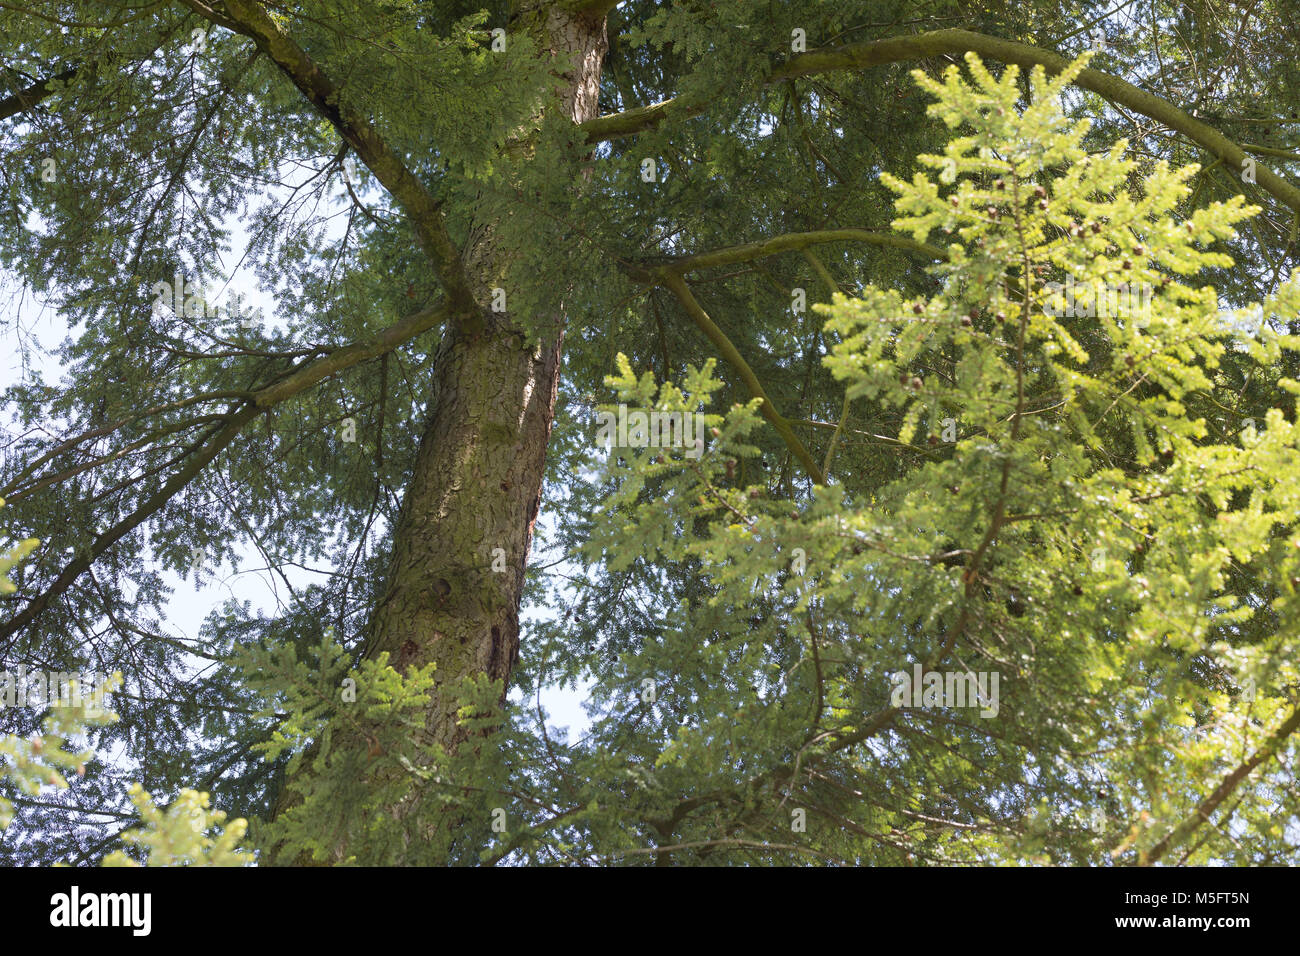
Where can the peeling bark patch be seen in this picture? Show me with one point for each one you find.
(495, 667)
(407, 653)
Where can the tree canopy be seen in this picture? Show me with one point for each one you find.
(985, 317)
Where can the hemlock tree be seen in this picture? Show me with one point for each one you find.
(968, 469)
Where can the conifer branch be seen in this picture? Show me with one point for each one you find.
(1224, 790)
(24, 100)
(221, 436)
(858, 56)
(41, 90)
(250, 20)
(677, 285)
(789, 242)
(670, 275)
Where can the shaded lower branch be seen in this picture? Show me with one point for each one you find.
(789, 242)
(25, 99)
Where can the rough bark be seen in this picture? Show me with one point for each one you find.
(477, 482)
(476, 487)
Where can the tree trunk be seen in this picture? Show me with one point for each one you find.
(476, 488)
(477, 482)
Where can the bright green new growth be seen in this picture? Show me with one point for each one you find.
(361, 724)
(1082, 537)
(179, 834)
(11, 557)
(1121, 537)
(174, 836)
(184, 833)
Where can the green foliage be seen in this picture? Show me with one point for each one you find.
(173, 836)
(184, 833)
(1109, 527)
(46, 758)
(11, 557)
(361, 725)
(1084, 537)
